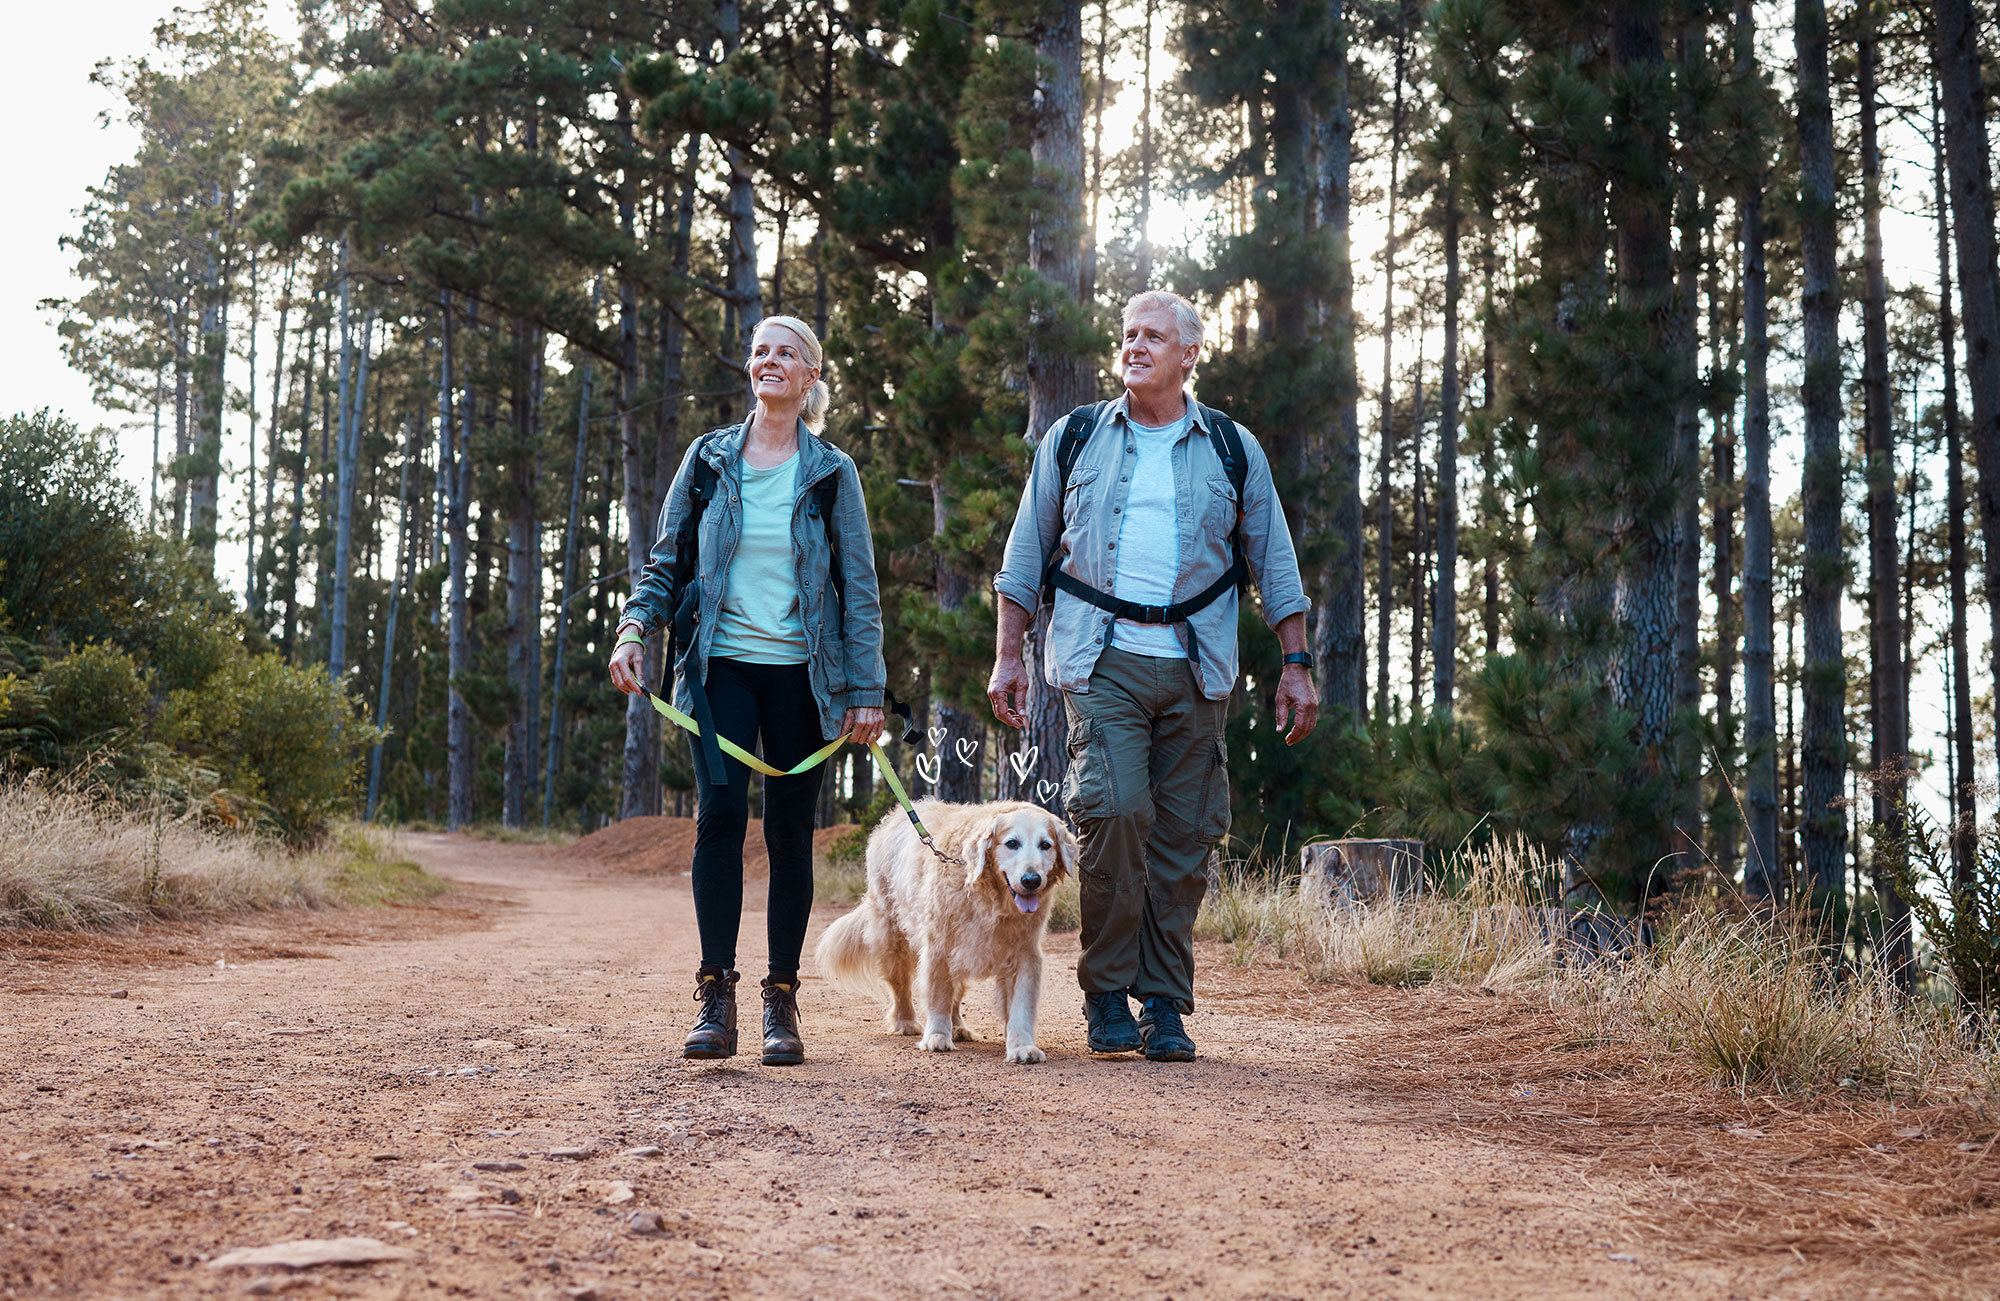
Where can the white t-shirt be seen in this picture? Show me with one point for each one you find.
(1149, 542)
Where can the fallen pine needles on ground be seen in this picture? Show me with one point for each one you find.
(1766, 1098)
(73, 859)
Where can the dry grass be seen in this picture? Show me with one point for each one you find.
(1740, 1002)
(72, 860)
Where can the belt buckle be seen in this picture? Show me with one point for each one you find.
(1154, 614)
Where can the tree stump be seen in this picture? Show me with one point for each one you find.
(1347, 872)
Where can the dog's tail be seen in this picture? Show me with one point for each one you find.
(845, 956)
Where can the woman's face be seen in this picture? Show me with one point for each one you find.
(779, 371)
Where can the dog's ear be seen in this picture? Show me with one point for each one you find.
(977, 850)
(1066, 846)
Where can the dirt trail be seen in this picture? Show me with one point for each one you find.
(349, 1090)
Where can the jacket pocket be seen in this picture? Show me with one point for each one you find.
(1222, 506)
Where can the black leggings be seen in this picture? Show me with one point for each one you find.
(776, 701)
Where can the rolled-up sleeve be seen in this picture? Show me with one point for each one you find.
(1037, 528)
(652, 602)
(867, 676)
(1267, 542)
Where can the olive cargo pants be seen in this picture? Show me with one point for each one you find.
(1149, 794)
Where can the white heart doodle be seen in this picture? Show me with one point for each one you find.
(968, 750)
(1045, 791)
(929, 771)
(938, 734)
(1024, 762)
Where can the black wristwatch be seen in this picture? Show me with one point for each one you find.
(1301, 657)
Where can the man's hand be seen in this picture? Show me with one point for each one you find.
(1007, 691)
(628, 667)
(863, 724)
(1297, 704)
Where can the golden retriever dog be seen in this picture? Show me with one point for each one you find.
(940, 926)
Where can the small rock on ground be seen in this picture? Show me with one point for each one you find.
(304, 1253)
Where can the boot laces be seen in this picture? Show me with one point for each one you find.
(713, 995)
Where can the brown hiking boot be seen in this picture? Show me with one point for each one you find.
(782, 1045)
(714, 1033)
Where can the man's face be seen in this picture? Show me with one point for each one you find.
(1153, 357)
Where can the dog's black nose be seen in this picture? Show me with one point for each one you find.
(1031, 881)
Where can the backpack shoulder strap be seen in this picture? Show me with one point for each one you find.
(1076, 432)
(1227, 438)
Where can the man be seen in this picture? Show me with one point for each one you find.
(1163, 510)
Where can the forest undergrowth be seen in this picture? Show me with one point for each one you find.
(1721, 997)
(72, 858)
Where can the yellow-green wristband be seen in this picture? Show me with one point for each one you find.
(630, 637)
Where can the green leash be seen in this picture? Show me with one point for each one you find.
(807, 764)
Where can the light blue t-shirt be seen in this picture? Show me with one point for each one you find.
(1149, 542)
(759, 620)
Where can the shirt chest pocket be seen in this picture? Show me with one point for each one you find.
(1222, 507)
(1080, 495)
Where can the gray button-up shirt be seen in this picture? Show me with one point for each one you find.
(1083, 521)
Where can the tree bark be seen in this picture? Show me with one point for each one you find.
(1763, 877)
(1965, 789)
(1686, 746)
(1824, 740)
(1058, 380)
(1968, 166)
(1343, 661)
(458, 636)
(639, 781)
(746, 294)
(1444, 619)
(1385, 507)
(1889, 696)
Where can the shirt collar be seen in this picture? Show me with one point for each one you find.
(1121, 410)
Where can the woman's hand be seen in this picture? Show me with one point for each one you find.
(863, 725)
(628, 668)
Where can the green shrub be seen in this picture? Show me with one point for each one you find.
(284, 734)
(94, 691)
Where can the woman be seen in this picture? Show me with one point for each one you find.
(782, 653)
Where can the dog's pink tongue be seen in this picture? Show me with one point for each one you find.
(1027, 903)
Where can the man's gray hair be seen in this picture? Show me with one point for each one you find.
(1187, 321)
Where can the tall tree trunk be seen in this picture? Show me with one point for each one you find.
(458, 636)
(1964, 799)
(1444, 620)
(250, 472)
(1144, 270)
(1824, 741)
(565, 593)
(1968, 164)
(1763, 877)
(524, 564)
(1686, 745)
(1646, 671)
(1889, 697)
(183, 400)
(745, 291)
(1385, 507)
(295, 527)
(403, 540)
(1490, 512)
(1086, 291)
(261, 541)
(347, 452)
(210, 400)
(639, 784)
(1722, 578)
(1343, 661)
(1058, 381)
